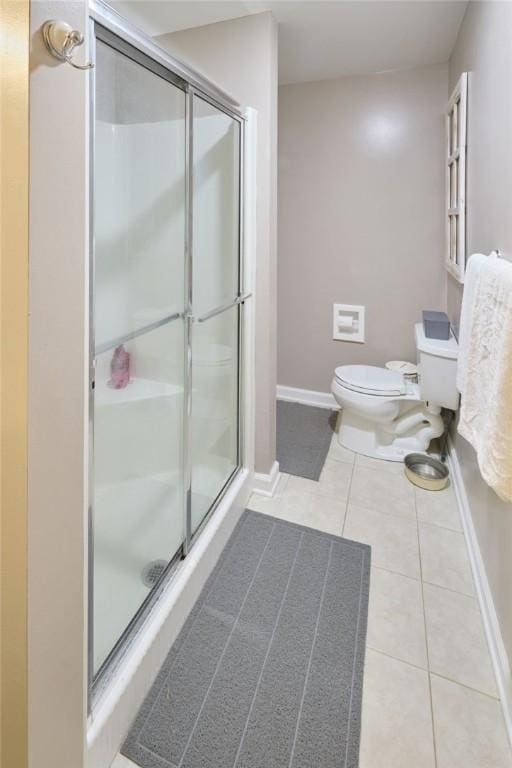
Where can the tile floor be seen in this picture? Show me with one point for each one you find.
(430, 698)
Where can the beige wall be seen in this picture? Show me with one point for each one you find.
(361, 197)
(14, 116)
(484, 50)
(241, 57)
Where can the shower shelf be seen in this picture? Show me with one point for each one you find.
(137, 389)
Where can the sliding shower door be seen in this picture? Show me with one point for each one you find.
(166, 320)
(215, 301)
(139, 233)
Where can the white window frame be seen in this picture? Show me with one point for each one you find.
(456, 124)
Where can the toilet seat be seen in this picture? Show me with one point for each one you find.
(370, 380)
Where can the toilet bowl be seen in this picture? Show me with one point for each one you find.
(384, 415)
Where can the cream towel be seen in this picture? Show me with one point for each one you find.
(471, 279)
(486, 410)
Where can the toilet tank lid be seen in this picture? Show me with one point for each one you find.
(439, 347)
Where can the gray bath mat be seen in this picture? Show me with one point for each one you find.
(303, 438)
(268, 670)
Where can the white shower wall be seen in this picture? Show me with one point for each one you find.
(215, 250)
(216, 198)
(139, 266)
(139, 237)
(139, 279)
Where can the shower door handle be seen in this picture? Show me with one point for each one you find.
(113, 343)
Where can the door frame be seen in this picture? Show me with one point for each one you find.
(14, 191)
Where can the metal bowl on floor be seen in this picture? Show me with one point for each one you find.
(426, 472)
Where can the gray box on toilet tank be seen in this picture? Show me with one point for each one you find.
(436, 324)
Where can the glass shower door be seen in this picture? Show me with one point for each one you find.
(166, 309)
(138, 292)
(216, 304)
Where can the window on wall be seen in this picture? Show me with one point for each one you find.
(456, 180)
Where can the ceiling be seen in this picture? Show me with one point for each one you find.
(320, 39)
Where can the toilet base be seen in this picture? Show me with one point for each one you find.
(385, 440)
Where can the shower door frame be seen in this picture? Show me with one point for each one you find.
(110, 28)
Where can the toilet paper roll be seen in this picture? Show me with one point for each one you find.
(345, 322)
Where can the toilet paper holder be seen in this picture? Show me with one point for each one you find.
(348, 322)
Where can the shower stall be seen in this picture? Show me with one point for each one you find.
(167, 295)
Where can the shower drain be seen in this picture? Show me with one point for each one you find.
(152, 572)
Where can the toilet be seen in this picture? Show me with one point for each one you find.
(385, 415)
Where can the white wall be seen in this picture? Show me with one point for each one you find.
(58, 387)
(484, 50)
(241, 57)
(361, 200)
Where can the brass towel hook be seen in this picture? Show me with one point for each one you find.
(61, 40)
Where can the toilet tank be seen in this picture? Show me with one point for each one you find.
(437, 361)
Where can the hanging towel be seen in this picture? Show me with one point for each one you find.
(471, 278)
(486, 410)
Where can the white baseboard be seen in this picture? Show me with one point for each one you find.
(307, 397)
(266, 485)
(497, 650)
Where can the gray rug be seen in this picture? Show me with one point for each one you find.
(303, 438)
(268, 669)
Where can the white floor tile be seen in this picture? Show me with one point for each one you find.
(265, 504)
(396, 467)
(438, 508)
(334, 481)
(394, 540)
(469, 728)
(338, 453)
(396, 722)
(324, 513)
(396, 623)
(457, 647)
(444, 559)
(382, 491)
